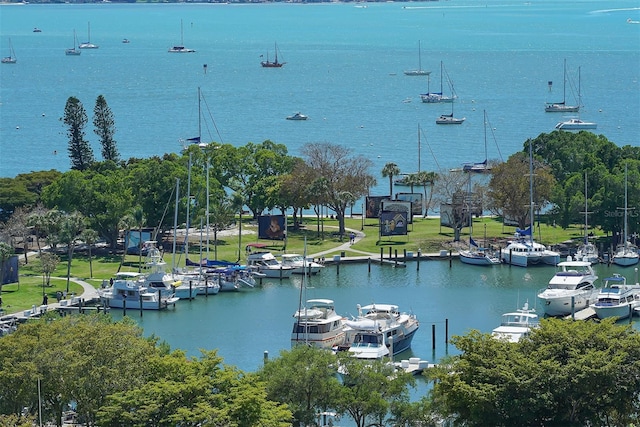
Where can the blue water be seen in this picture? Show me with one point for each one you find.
(344, 70)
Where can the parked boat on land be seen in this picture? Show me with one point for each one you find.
(267, 264)
(130, 291)
(571, 289)
(300, 265)
(419, 71)
(517, 324)
(616, 298)
(380, 330)
(317, 324)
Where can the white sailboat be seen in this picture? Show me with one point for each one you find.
(587, 251)
(419, 71)
(626, 253)
(449, 119)
(562, 107)
(11, 59)
(73, 51)
(88, 44)
(181, 48)
(483, 166)
(435, 97)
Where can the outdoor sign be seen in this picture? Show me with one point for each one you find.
(10, 270)
(373, 205)
(398, 206)
(393, 223)
(271, 227)
(415, 199)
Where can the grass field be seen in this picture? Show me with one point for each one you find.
(425, 235)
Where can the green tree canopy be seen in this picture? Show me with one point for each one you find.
(75, 118)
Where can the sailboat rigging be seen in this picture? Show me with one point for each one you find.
(11, 59)
(88, 44)
(587, 251)
(181, 48)
(449, 119)
(562, 107)
(272, 64)
(575, 123)
(434, 97)
(198, 139)
(626, 253)
(73, 51)
(419, 71)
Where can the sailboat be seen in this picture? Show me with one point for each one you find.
(419, 71)
(523, 251)
(626, 253)
(433, 97)
(181, 48)
(448, 119)
(73, 51)
(575, 123)
(272, 64)
(480, 166)
(587, 251)
(562, 107)
(11, 59)
(197, 139)
(88, 44)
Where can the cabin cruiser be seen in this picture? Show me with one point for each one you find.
(617, 299)
(317, 324)
(576, 124)
(300, 265)
(156, 276)
(267, 264)
(297, 116)
(380, 330)
(130, 291)
(448, 119)
(523, 251)
(570, 289)
(516, 325)
(588, 252)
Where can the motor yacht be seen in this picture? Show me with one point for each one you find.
(516, 325)
(267, 264)
(300, 265)
(317, 324)
(572, 288)
(616, 298)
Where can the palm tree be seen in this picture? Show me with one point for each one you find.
(425, 178)
(390, 170)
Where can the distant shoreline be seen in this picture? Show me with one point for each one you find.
(21, 3)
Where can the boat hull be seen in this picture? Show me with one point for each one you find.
(467, 257)
(621, 311)
(561, 305)
(626, 260)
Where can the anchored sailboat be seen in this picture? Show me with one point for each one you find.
(272, 64)
(181, 48)
(562, 107)
(88, 44)
(73, 51)
(419, 71)
(626, 253)
(433, 97)
(11, 59)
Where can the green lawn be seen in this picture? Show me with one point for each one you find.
(425, 235)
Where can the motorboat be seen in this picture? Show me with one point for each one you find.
(129, 291)
(616, 298)
(267, 264)
(126, 41)
(37, 30)
(576, 124)
(517, 324)
(297, 116)
(448, 119)
(523, 251)
(317, 324)
(571, 289)
(380, 330)
(300, 265)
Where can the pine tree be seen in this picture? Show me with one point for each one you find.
(75, 117)
(105, 129)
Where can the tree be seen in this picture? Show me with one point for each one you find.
(89, 237)
(390, 170)
(138, 218)
(6, 251)
(48, 263)
(453, 192)
(70, 228)
(342, 173)
(566, 373)
(17, 227)
(425, 179)
(303, 378)
(105, 129)
(75, 117)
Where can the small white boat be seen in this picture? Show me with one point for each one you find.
(380, 330)
(156, 277)
(516, 325)
(573, 284)
(562, 107)
(73, 51)
(181, 48)
(448, 119)
(576, 124)
(88, 44)
(478, 256)
(438, 97)
(626, 253)
(11, 59)
(317, 324)
(617, 299)
(126, 41)
(523, 251)
(300, 265)
(297, 116)
(267, 264)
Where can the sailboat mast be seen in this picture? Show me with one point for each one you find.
(419, 57)
(485, 136)
(186, 236)
(175, 225)
(419, 147)
(199, 117)
(586, 213)
(626, 194)
(531, 188)
(564, 83)
(208, 165)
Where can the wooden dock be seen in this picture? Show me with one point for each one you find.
(584, 314)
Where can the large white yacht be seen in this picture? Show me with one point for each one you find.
(267, 264)
(572, 288)
(617, 299)
(318, 324)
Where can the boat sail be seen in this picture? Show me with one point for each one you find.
(73, 51)
(181, 48)
(272, 64)
(88, 44)
(434, 97)
(419, 71)
(11, 59)
(562, 107)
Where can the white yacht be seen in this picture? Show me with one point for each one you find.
(380, 330)
(516, 325)
(617, 299)
(576, 124)
(524, 251)
(626, 253)
(156, 277)
(300, 265)
(573, 284)
(317, 324)
(267, 264)
(588, 252)
(129, 291)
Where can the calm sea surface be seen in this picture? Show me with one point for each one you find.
(344, 70)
